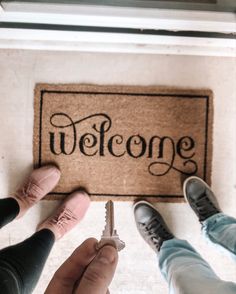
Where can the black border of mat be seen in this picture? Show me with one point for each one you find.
(187, 96)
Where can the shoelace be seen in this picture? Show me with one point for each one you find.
(151, 229)
(23, 191)
(63, 217)
(28, 192)
(204, 209)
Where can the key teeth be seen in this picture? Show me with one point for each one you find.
(106, 215)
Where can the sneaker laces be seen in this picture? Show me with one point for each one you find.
(28, 192)
(205, 205)
(153, 229)
(62, 218)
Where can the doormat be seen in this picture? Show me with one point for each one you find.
(123, 142)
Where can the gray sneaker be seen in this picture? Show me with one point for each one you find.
(151, 225)
(200, 197)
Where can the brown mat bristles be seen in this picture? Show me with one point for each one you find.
(123, 142)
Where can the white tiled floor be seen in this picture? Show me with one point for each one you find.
(137, 271)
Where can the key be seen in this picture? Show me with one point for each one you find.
(109, 234)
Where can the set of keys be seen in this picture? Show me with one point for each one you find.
(109, 234)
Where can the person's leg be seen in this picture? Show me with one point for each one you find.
(21, 264)
(187, 272)
(183, 268)
(36, 186)
(221, 230)
(218, 227)
(9, 209)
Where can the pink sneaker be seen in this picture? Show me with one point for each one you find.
(67, 215)
(40, 183)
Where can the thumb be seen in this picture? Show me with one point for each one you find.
(99, 273)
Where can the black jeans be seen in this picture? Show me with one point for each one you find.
(21, 265)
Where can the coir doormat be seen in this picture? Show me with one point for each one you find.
(123, 142)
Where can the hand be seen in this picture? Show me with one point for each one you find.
(86, 271)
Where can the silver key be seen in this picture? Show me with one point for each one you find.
(109, 234)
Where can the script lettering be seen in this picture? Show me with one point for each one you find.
(165, 153)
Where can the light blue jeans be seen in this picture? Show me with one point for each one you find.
(186, 271)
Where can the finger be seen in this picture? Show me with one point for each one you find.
(99, 273)
(72, 269)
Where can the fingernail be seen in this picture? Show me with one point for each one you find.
(106, 255)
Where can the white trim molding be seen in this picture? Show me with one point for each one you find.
(120, 18)
(125, 17)
(114, 42)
